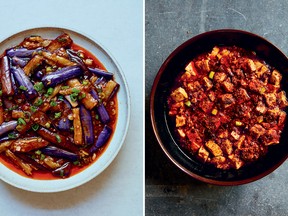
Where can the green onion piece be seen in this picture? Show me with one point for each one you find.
(72, 128)
(61, 40)
(27, 115)
(33, 108)
(73, 97)
(12, 136)
(57, 114)
(97, 117)
(53, 103)
(76, 163)
(1, 104)
(214, 112)
(211, 74)
(64, 87)
(42, 157)
(22, 88)
(76, 91)
(61, 173)
(58, 138)
(38, 152)
(188, 103)
(21, 121)
(60, 97)
(47, 125)
(50, 91)
(48, 69)
(13, 107)
(35, 127)
(81, 96)
(238, 123)
(85, 82)
(39, 86)
(1, 93)
(38, 102)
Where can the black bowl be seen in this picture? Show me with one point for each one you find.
(164, 132)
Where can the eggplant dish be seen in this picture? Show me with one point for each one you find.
(227, 107)
(58, 107)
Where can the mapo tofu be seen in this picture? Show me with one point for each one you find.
(228, 107)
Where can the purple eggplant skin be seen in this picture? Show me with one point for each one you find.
(64, 124)
(23, 80)
(39, 75)
(64, 171)
(87, 125)
(101, 110)
(101, 73)
(14, 86)
(7, 126)
(21, 52)
(100, 81)
(75, 58)
(19, 61)
(102, 139)
(66, 73)
(7, 86)
(6, 137)
(59, 153)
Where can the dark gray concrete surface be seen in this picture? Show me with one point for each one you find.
(168, 190)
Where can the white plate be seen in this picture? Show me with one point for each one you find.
(117, 140)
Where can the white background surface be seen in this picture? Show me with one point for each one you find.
(118, 26)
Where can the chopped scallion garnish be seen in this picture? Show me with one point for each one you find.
(64, 87)
(73, 97)
(38, 152)
(188, 103)
(57, 115)
(58, 138)
(33, 108)
(76, 163)
(76, 91)
(22, 88)
(21, 121)
(60, 97)
(53, 103)
(12, 136)
(38, 102)
(39, 86)
(47, 125)
(85, 82)
(50, 91)
(81, 96)
(35, 127)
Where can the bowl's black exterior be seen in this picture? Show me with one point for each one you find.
(164, 80)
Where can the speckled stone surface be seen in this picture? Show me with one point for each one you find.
(168, 190)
